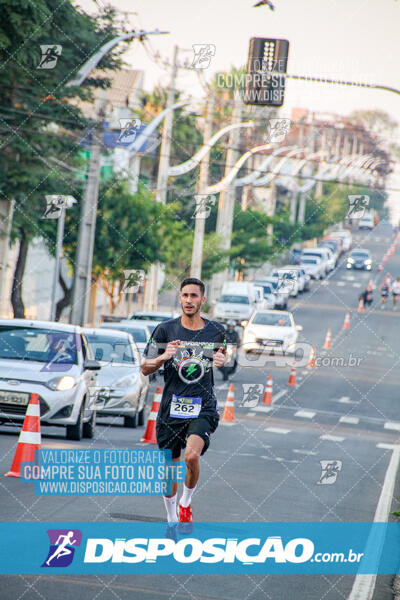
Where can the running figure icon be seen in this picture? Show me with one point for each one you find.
(62, 549)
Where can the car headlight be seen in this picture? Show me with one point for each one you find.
(350, 260)
(62, 384)
(126, 381)
(368, 261)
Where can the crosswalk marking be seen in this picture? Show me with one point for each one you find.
(341, 283)
(307, 452)
(331, 438)
(349, 420)
(392, 425)
(305, 414)
(386, 446)
(277, 430)
(262, 408)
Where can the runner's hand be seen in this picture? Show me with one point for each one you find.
(171, 349)
(219, 358)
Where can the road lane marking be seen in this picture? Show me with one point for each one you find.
(386, 446)
(345, 400)
(364, 585)
(349, 420)
(341, 283)
(394, 426)
(305, 414)
(262, 408)
(250, 414)
(307, 452)
(331, 438)
(277, 430)
(356, 285)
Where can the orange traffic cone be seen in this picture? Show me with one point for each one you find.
(268, 391)
(228, 416)
(292, 377)
(346, 324)
(150, 433)
(311, 360)
(384, 260)
(360, 308)
(29, 439)
(380, 269)
(327, 343)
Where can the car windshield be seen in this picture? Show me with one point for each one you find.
(151, 317)
(359, 254)
(41, 345)
(278, 320)
(284, 274)
(139, 335)
(231, 299)
(317, 254)
(111, 349)
(309, 261)
(267, 289)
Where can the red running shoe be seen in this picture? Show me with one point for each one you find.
(185, 514)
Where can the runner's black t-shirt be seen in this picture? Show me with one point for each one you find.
(189, 373)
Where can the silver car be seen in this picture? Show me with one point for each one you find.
(122, 388)
(54, 361)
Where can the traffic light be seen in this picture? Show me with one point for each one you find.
(266, 55)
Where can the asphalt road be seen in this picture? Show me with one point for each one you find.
(265, 466)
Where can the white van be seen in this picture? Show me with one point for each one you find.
(323, 254)
(238, 300)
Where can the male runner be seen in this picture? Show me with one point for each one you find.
(395, 291)
(188, 347)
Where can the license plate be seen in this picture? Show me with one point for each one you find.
(18, 398)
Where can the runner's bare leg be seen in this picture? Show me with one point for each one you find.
(194, 446)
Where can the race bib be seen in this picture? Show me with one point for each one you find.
(184, 407)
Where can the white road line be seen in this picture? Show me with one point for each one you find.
(349, 420)
(345, 400)
(331, 438)
(305, 414)
(341, 283)
(277, 430)
(364, 585)
(389, 425)
(386, 446)
(307, 452)
(356, 285)
(262, 408)
(250, 414)
(279, 395)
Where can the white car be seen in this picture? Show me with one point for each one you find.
(331, 258)
(346, 238)
(314, 266)
(287, 280)
(304, 278)
(54, 361)
(269, 295)
(321, 253)
(140, 333)
(123, 388)
(366, 222)
(281, 296)
(270, 330)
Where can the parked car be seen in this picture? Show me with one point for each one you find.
(140, 333)
(366, 222)
(269, 294)
(123, 388)
(238, 300)
(304, 278)
(54, 361)
(333, 246)
(314, 266)
(287, 279)
(281, 296)
(321, 253)
(359, 259)
(153, 316)
(269, 330)
(346, 238)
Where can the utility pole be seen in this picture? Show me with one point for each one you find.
(87, 226)
(199, 225)
(227, 200)
(162, 180)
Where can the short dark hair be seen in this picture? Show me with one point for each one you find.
(193, 281)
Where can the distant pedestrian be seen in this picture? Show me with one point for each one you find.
(395, 291)
(385, 289)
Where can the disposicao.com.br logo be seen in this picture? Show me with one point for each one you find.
(62, 547)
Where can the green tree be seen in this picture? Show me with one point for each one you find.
(41, 126)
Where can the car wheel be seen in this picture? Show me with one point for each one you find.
(130, 421)
(75, 432)
(89, 428)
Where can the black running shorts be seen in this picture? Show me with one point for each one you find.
(173, 435)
